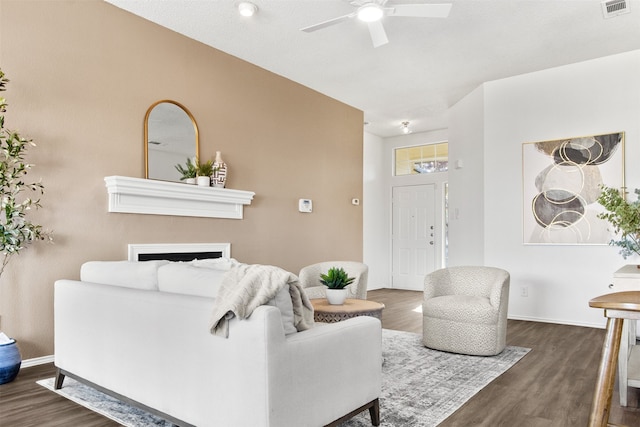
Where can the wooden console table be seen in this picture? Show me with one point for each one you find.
(328, 313)
(625, 279)
(617, 307)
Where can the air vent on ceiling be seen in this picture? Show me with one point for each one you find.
(613, 8)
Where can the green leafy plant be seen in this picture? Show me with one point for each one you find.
(624, 217)
(205, 169)
(15, 229)
(188, 171)
(336, 278)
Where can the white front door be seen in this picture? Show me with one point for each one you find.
(413, 239)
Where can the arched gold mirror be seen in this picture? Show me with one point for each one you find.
(170, 138)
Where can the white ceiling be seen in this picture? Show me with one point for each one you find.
(429, 63)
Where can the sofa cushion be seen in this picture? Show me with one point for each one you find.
(215, 263)
(204, 278)
(461, 308)
(187, 278)
(128, 274)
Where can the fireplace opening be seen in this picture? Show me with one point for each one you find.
(179, 256)
(178, 251)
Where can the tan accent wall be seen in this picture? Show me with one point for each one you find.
(83, 74)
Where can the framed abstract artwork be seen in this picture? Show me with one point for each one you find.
(562, 180)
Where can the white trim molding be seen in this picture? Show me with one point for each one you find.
(28, 363)
(151, 197)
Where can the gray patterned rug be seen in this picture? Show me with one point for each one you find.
(420, 387)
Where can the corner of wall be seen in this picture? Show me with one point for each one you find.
(466, 182)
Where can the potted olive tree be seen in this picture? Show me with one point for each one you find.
(336, 280)
(624, 217)
(15, 228)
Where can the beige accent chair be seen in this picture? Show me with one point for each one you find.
(465, 310)
(310, 278)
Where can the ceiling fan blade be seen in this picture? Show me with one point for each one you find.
(328, 23)
(420, 10)
(378, 34)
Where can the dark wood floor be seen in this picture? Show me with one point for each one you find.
(551, 386)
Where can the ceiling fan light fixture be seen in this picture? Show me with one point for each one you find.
(247, 9)
(370, 12)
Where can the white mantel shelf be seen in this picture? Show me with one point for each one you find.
(151, 197)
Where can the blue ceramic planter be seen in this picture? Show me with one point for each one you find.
(10, 361)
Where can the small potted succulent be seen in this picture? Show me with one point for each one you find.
(624, 217)
(204, 172)
(188, 172)
(336, 280)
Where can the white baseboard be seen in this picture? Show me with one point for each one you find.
(558, 322)
(37, 361)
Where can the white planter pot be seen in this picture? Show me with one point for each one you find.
(204, 181)
(190, 180)
(336, 296)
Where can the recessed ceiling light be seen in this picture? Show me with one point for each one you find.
(247, 9)
(405, 128)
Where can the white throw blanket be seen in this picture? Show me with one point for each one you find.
(247, 286)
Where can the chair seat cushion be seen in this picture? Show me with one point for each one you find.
(461, 308)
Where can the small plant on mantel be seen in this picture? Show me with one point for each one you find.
(15, 229)
(205, 169)
(336, 278)
(190, 170)
(624, 217)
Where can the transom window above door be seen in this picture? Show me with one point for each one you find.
(429, 158)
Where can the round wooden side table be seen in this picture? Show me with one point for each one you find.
(328, 313)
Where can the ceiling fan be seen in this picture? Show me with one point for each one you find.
(372, 12)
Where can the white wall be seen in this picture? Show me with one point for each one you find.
(377, 189)
(466, 180)
(375, 215)
(593, 97)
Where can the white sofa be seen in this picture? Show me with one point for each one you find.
(134, 336)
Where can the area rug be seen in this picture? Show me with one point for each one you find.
(420, 387)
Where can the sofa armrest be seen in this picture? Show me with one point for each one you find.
(338, 363)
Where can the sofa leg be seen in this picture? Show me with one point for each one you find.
(374, 411)
(59, 379)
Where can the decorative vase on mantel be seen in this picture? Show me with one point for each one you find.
(336, 296)
(10, 361)
(219, 177)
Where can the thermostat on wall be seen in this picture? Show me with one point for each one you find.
(305, 205)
